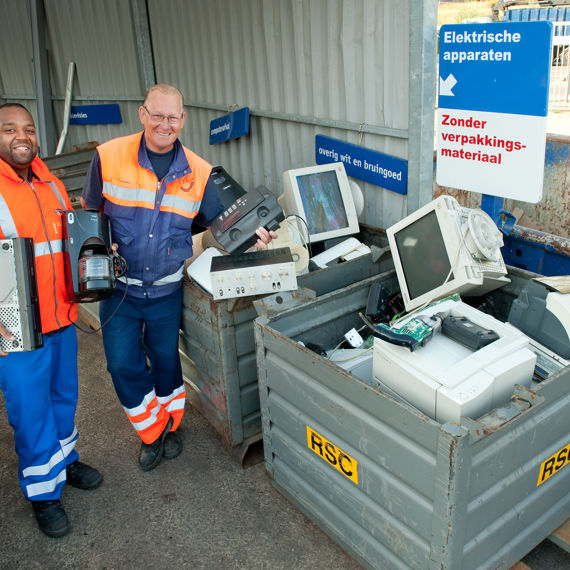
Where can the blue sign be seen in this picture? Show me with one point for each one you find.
(498, 67)
(230, 126)
(365, 164)
(95, 114)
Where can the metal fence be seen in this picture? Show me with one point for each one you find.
(559, 94)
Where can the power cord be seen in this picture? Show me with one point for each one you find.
(308, 240)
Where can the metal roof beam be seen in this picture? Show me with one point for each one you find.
(46, 125)
(141, 24)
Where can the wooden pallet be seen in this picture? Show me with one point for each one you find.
(561, 536)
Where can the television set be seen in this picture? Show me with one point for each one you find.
(444, 248)
(321, 195)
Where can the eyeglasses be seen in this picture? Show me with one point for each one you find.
(158, 118)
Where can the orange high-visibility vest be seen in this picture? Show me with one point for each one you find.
(151, 219)
(33, 209)
(126, 184)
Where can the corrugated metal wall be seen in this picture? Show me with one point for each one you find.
(99, 38)
(335, 67)
(16, 66)
(293, 63)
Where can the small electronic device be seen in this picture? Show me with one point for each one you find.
(235, 227)
(547, 361)
(228, 189)
(444, 248)
(382, 304)
(19, 303)
(466, 332)
(346, 250)
(321, 195)
(445, 379)
(253, 273)
(419, 330)
(89, 263)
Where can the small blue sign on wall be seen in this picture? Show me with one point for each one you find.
(95, 114)
(230, 126)
(365, 164)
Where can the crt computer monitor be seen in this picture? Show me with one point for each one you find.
(321, 195)
(443, 240)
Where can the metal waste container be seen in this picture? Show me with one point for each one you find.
(393, 487)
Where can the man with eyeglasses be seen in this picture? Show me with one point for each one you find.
(153, 189)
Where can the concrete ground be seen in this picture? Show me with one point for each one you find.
(200, 510)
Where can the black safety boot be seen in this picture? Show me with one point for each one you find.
(51, 517)
(82, 476)
(173, 445)
(151, 453)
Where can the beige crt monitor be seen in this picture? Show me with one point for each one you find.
(321, 195)
(444, 248)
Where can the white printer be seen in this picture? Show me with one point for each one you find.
(446, 380)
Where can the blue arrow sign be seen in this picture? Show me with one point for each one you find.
(498, 67)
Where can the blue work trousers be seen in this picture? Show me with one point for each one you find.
(140, 329)
(40, 390)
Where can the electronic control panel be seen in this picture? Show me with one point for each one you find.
(254, 273)
(235, 227)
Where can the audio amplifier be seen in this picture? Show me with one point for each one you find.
(253, 273)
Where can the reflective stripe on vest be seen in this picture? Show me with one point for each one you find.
(129, 196)
(178, 205)
(9, 228)
(7, 223)
(58, 194)
(142, 198)
(172, 278)
(48, 248)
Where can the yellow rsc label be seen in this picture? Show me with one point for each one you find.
(332, 455)
(553, 464)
